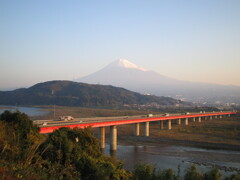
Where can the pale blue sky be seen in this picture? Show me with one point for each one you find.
(195, 40)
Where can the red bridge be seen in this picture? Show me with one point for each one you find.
(114, 123)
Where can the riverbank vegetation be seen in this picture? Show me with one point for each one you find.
(68, 154)
(145, 171)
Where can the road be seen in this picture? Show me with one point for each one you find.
(58, 122)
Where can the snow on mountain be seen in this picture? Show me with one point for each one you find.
(126, 64)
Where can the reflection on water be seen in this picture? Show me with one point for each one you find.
(30, 111)
(165, 157)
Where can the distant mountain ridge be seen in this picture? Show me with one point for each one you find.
(68, 93)
(123, 73)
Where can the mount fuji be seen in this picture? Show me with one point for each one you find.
(123, 73)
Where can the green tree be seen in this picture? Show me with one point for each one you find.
(192, 173)
(143, 171)
(78, 148)
(168, 174)
(233, 177)
(18, 137)
(213, 174)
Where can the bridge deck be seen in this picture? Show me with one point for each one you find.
(50, 129)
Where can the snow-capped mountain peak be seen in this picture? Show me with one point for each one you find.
(126, 64)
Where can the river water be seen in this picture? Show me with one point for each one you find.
(30, 111)
(179, 157)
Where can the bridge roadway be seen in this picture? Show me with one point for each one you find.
(113, 122)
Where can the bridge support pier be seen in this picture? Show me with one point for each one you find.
(161, 125)
(186, 121)
(146, 128)
(178, 121)
(169, 125)
(137, 129)
(101, 132)
(229, 115)
(199, 119)
(220, 117)
(210, 117)
(193, 119)
(113, 138)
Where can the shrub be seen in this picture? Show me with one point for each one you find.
(213, 174)
(192, 173)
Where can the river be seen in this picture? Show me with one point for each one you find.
(30, 111)
(179, 157)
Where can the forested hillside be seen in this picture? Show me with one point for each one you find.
(68, 93)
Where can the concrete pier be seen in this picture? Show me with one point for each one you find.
(113, 138)
(186, 121)
(161, 125)
(137, 129)
(220, 117)
(146, 128)
(178, 121)
(210, 117)
(169, 125)
(199, 119)
(193, 119)
(101, 132)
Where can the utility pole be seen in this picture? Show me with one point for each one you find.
(53, 105)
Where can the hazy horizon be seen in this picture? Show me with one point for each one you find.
(58, 40)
